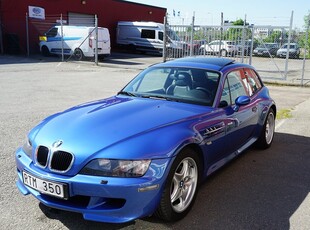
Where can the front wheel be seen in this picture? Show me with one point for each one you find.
(45, 51)
(181, 186)
(223, 53)
(266, 137)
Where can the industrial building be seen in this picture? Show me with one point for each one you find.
(23, 21)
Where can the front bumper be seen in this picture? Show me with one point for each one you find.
(117, 200)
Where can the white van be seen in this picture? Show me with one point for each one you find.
(146, 36)
(77, 40)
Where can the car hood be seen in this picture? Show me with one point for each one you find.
(285, 49)
(89, 128)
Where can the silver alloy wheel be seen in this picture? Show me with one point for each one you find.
(270, 126)
(184, 184)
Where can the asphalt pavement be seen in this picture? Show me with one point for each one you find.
(258, 190)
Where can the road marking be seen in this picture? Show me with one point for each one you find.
(280, 123)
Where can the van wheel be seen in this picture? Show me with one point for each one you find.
(132, 48)
(45, 51)
(78, 54)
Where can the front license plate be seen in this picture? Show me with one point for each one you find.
(45, 186)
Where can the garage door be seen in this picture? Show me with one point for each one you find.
(77, 19)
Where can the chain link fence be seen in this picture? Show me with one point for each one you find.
(278, 52)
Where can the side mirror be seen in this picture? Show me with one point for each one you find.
(241, 101)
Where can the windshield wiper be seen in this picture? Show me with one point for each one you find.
(160, 97)
(126, 93)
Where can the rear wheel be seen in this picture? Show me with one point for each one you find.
(266, 137)
(78, 54)
(181, 186)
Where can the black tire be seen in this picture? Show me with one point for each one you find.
(266, 137)
(132, 48)
(45, 51)
(181, 186)
(78, 54)
(223, 53)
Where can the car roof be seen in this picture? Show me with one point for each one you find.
(213, 63)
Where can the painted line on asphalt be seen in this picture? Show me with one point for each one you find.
(280, 123)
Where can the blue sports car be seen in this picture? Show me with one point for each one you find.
(146, 150)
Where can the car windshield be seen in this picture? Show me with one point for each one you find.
(230, 43)
(291, 47)
(189, 85)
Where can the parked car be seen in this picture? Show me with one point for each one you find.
(246, 46)
(224, 48)
(294, 50)
(146, 150)
(266, 49)
(196, 46)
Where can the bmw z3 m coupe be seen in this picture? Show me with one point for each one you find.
(147, 149)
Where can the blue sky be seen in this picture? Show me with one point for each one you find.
(262, 12)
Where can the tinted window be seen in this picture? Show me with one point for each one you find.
(160, 35)
(148, 34)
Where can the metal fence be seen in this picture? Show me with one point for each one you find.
(277, 52)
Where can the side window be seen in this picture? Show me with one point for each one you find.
(160, 35)
(253, 81)
(234, 86)
(225, 99)
(148, 34)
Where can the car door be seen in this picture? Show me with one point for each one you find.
(242, 122)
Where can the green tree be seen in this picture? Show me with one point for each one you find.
(303, 42)
(275, 36)
(236, 34)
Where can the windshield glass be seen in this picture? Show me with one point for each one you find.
(189, 85)
(230, 43)
(291, 47)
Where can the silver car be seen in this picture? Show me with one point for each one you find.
(293, 49)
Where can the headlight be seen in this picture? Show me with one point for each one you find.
(27, 148)
(116, 168)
